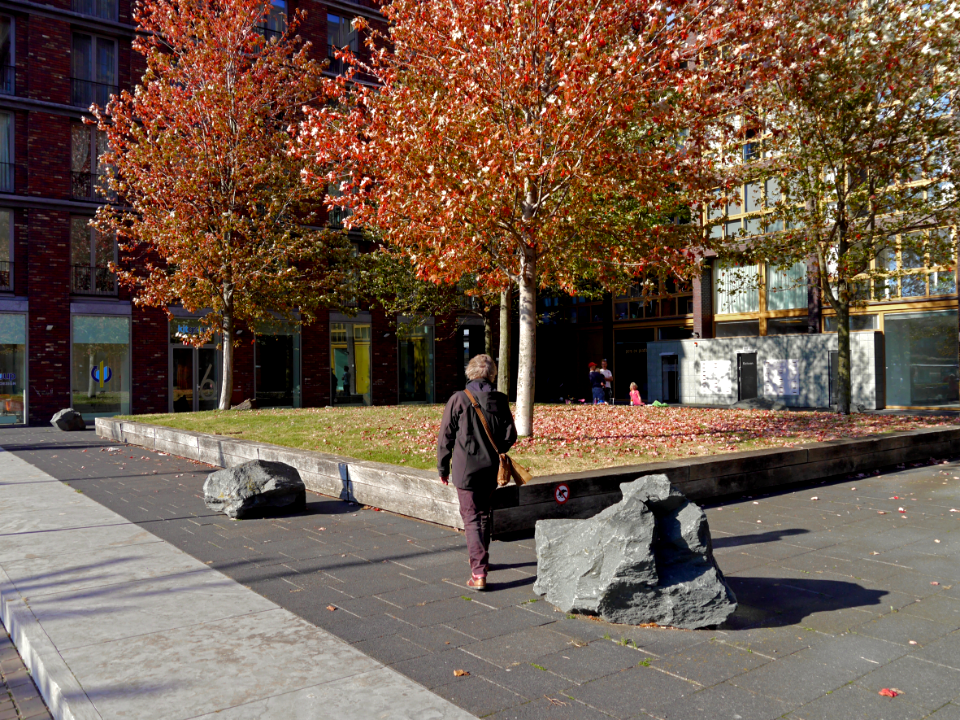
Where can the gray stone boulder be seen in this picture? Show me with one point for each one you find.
(254, 489)
(647, 559)
(68, 420)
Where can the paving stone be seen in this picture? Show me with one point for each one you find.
(945, 651)
(710, 663)
(553, 707)
(519, 647)
(904, 627)
(723, 702)
(390, 649)
(947, 712)
(940, 608)
(595, 660)
(437, 669)
(924, 684)
(855, 703)
(447, 611)
(527, 680)
(628, 693)
(494, 623)
(479, 696)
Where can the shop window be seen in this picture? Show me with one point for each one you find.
(350, 358)
(786, 288)
(416, 369)
(921, 358)
(13, 367)
(748, 328)
(911, 274)
(6, 250)
(675, 333)
(94, 67)
(858, 323)
(100, 365)
(277, 366)
(786, 326)
(735, 289)
(8, 69)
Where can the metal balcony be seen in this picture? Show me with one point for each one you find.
(85, 93)
(6, 275)
(93, 280)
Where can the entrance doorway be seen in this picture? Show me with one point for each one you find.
(670, 369)
(277, 369)
(195, 379)
(746, 376)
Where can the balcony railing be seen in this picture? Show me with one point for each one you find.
(8, 80)
(87, 92)
(90, 186)
(6, 275)
(7, 177)
(106, 9)
(93, 280)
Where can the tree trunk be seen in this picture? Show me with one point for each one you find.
(226, 376)
(843, 355)
(487, 333)
(506, 331)
(527, 359)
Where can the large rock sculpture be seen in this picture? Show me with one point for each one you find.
(254, 489)
(647, 559)
(68, 420)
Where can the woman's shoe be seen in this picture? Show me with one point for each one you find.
(477, 583)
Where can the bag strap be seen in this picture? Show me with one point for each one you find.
(483, 420)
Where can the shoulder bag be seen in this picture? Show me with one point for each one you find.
(508, 468)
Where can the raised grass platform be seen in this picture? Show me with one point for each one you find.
(420, 494)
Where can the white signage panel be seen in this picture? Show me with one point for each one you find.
(715, 377)
(781, 377)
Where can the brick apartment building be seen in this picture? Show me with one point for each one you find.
(69, 337)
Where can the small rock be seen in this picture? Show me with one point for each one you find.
(251, 489)
(68, 420)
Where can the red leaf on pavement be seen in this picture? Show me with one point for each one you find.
(887, 692)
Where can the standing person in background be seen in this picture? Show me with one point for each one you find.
(476, 462)
(608, 382)
(597, 381)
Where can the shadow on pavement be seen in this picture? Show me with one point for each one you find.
(756, 539)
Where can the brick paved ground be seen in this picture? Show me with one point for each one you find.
(839, 596)
(19, 698)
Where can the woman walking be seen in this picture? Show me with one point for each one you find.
(464, 441)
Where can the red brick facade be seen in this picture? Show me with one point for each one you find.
(42, 202)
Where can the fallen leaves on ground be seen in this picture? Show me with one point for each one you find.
(890, 692)
(460, 673)
(331, 608)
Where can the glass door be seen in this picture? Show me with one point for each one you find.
(182, 379)
(207, 374)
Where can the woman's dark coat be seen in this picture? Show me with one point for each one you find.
(464, 441)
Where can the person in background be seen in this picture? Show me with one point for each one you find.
(635, 398)
(608, 381)
(464, 441)
(597, 381)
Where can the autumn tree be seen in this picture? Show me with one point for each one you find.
(854, 109)
(212, 213)
(500, 132)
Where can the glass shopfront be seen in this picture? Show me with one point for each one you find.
(277, 365)
(921, 355)
(194, 371)
(350, 363)
(416, 365)
(13, 367)
(101, 365)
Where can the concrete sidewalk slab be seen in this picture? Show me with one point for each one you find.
(114, 622)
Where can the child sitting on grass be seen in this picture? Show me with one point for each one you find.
(635, 398)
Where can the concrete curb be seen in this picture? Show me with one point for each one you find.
(418, 493)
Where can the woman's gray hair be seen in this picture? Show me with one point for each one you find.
(481, 367)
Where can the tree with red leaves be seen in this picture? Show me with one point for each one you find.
(536, 143)
(212, 212)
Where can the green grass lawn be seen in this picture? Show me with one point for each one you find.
(566, 437)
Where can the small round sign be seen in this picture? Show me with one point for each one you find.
(561, 493)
